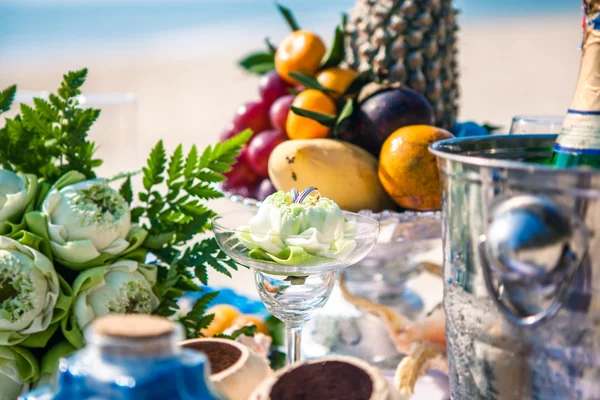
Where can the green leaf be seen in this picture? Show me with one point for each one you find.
(126, 191)
(276, 330)
(336, 52)
(270, 46)
(7, 96)
(277, 359)
(46, 110)
(33, 121)
(491, 128)
(175, 170)
(247, 330)
(324, 119)
(262, 68)
(191, 162)
(359, 82)
(289, 17)
(344, 117)
(258, 62)
(155, 166)
(310, 82)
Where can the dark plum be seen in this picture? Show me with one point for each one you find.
(383, 113)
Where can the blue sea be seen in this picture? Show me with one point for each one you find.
(29, 27)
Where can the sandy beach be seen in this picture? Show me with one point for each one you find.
(509, 67)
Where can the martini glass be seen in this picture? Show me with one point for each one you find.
(293, 293)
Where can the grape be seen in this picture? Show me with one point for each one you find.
(241, 175)
(279, 111)
(252, 115)
(245, 191)
(271, 87)
(260, 148)
(230, 131)
(265, 189)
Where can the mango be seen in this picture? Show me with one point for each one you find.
(341, 171)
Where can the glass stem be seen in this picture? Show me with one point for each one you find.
(292, 341)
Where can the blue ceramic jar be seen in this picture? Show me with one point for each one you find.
(119, 363)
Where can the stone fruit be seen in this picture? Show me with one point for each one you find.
(252, 115)
(337, 79)
(224, 316)
(299, 127)
(265, 189)
(341, 171)
(331, 378)
(408, 171)
(279, 112)
(410, 42)
(241, 175)
(387, 111)
(271, 87)
(259, 149)
(236, 370)
(301, 51)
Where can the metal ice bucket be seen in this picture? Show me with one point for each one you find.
(522, 270)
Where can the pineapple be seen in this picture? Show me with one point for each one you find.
(412, 42)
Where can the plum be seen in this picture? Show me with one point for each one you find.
(384, 112)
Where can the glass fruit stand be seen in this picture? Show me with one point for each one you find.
(400, 276)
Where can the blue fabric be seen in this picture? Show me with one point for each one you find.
(245, 304)
(468, 129)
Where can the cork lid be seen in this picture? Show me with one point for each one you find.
(135, 326)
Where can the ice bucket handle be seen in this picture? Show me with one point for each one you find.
(532, 245)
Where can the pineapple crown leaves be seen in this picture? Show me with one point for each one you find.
(50, 138)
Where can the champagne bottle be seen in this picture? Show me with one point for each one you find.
(579, 141)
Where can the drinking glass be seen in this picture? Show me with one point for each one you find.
(544, 124)
(292, 293)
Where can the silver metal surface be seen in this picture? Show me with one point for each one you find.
(521, 269)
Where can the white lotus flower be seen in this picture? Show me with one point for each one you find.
(123, 287)
(29, 290)
(85, 220)
(313, 225)
(16, 192)
(18, 368)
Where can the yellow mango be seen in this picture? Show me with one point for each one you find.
(341, 171)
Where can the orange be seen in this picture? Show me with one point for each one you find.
(247, 319)
(301, 51)
(408, 171)
(224, 317)
(337, 79)
(299, 127)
